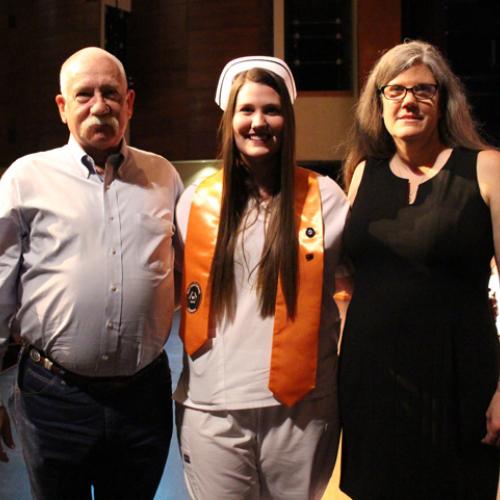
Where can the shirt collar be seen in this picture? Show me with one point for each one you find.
(86, 161)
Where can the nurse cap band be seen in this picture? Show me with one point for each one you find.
(237, 66)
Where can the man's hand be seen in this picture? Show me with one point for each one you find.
(5, 434)
(492, 436)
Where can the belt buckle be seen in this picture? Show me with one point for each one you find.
(35, 355)
(37, 358)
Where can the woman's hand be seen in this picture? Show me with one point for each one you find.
(492, 436)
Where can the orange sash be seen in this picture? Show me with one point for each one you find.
(295, 342)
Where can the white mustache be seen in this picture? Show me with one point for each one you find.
(99, 121)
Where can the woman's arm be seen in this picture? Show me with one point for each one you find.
(488, 174)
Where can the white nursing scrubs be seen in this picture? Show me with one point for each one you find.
(237, 440)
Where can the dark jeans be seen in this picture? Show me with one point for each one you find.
(116, 439)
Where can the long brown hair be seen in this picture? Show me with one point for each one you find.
(369, 137)
(280, 250)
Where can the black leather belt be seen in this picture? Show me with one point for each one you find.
(105, 383)
(37, 357)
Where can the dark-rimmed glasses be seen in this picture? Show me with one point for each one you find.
(421, 91)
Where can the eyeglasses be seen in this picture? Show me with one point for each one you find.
(421, 91)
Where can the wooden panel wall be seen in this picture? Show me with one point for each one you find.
(35, 38)
(177, 49)
(379, 29)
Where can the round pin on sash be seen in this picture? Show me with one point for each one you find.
(193, 297)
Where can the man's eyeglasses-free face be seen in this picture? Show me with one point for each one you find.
(421, 91)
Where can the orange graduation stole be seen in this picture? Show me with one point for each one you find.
(295, 342)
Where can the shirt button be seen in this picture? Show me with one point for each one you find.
(109, 325)
(113, 288)
(105, 357)
(111, 218)
(113, 252)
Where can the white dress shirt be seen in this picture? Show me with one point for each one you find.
(86, 262)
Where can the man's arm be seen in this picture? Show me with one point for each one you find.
(10, 260)
(178, 243)
(178, 265)
(10, 256)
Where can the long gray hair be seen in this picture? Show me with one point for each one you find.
(369, 137)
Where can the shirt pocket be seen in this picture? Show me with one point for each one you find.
(154, 245)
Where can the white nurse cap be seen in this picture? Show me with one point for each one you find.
(241, 64)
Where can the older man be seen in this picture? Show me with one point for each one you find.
(86, 277)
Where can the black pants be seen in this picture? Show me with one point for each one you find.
(115, 439)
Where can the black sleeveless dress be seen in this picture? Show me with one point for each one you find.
(419, 359)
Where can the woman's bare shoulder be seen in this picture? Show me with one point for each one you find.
(356, 181)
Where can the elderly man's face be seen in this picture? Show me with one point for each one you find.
(95, 104)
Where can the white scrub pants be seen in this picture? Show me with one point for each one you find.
(274, 453)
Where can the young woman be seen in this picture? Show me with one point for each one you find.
(257, 398)
(419, 366)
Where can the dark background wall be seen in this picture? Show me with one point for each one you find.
(175, 49)
(176, 52)
(35, 38)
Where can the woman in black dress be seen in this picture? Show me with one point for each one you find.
(419, 364)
